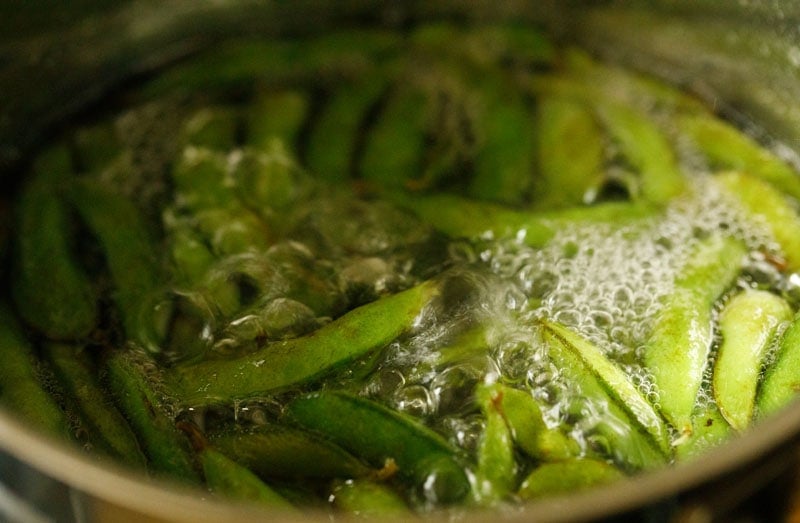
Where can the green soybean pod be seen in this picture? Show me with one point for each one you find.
(213, 127)
(564, 477)
(625, 439)
(454, 216)
(276, 115)
(769, 208)
(226, 477)
(626, 85)
(127, 244)
(495, 474)
(286, 363)
(79, 377)
(570, 152)
(728, 148)
(748, 324)
(200, 180)
(21, 390)
(243, 62)
(49, 288)
(335, 133)
(141, 399)
(286, 453)
(677, 350)
(531, 434)
(395, 143)
(504, 158)
(647, 148)
(377, 434)
(709, 430)
(781, 380)
(615, 381)
(368, 498)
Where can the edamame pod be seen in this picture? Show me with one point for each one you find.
(200, 180)
(300, 360)
(285, 453)
(335, 133)
(21, 390)
(768, 207)
(127, 244)
(275, 62)
(495, 475)
(504, 158)
(570, 151)
(137, 395)
(568, 476)
(50, 290)
(276, 116)
(709, 430)
(781, 381)
(748, 324)
(455, 216)
(625, 439)
(395, 144)
(78, 376)
(377, 434)
(627, 86)
(528, 429)
(213, 128)
(369, 499)
(227, 477)
(615, 381)
(678, 347)
(643, 144)
(726, 147)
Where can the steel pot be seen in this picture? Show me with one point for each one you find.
(56, 61)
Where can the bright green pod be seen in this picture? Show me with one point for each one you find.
(614, 380)
(627, 86)
(395, 144)
(379, 434)
(632, 443)
(127, 243)
(276, 116)
(51, 291)
(141, 397)
(238, 63)
(455, 216)
(367, 498)
(21, 390)
(678, 347)
(709, 430)
(213, 128)
(571, 153)
(566, 477)
(531, 434)
(200, 180)
(647, 149)
(503, 164)
(286, 453)
(336, 130)
(79, 378)
(769, 208)
(781, 380)
(496, 471)
(227, 477)
(726, 147)
(748, 324)
(291, 362)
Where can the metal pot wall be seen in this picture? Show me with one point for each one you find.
(740, 55)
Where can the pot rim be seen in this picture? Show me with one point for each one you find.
(112, 484)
